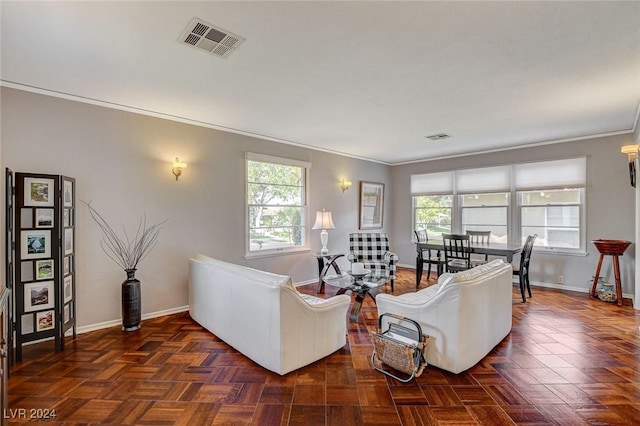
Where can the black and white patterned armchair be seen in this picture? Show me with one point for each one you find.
(372, 249)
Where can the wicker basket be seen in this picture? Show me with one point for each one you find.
(403, 356)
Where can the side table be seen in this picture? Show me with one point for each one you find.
(326, 261)
(358, 284)
(612, 248)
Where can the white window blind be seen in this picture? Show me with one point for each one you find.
(432, 183)
(487, 179)
(557, 174)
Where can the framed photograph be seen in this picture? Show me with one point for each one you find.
(371, 205)
(44, 269)
(66, 265)
(68, 288)
(68, 241)
(67, 193)
(66, 218)
(38, 192)
(38, 296)
(44, 218)
(35, 244)
(67, 313)
(45, 321)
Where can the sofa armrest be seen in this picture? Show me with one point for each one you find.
(326, 304)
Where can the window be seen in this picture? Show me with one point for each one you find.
(486, 212)
(551, 203)
(513, 201)
(276, 204)
(433, 214)
(555, 215)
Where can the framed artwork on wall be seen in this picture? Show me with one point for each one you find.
(68, 241)
(44, 321)
(44, 269)
(66, 215)
(44, 218)
(38, 296)
(67, 193)
(68, 288)
(371, 205)
(38, 192)
(35, 244)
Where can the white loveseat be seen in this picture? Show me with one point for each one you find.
(263, 316)
(466, 314)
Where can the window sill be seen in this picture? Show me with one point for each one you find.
(561, 252)
(274, 253)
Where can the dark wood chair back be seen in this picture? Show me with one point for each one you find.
(479, 237)
(523, 270)
(457, 252)
(425, 256)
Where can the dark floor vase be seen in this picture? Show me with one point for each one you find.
(131, 302)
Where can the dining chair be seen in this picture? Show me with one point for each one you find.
(424, 256)
(457, 252)
(479, 237)
(522, 271)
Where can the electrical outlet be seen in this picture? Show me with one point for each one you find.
(560, 279)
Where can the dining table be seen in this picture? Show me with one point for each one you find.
(506, 250)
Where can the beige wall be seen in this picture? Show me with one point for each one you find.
(122, 164)
(609, 198)
(122, 161)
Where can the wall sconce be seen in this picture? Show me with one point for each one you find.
(632, 153)
(345, 184)
(177, 168)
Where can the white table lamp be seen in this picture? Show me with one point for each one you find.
(324, 222)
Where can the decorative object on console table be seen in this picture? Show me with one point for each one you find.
(127, 253)
(324, 222)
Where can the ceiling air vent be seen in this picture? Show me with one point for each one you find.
(438, 136)
(215, 40)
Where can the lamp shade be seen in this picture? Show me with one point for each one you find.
(323, 221)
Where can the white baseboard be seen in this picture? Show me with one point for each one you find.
(107, 324)
(547, 285)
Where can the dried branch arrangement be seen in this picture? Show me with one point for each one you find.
(125, 251)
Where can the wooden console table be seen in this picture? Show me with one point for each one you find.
(613, 248)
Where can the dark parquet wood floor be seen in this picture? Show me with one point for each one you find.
(569, 360)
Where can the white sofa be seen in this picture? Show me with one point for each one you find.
(263, 316)
(466, 314)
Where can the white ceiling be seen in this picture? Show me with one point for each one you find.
(366, 79)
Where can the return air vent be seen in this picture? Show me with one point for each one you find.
(215, 40)
(438, 136)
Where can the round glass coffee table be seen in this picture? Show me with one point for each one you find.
(358, 284)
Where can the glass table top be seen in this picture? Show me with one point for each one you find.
(348, 281)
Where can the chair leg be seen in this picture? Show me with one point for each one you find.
(419, 268)
(528, 285)
(391, 286)
(521, 278)
(429, 272)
